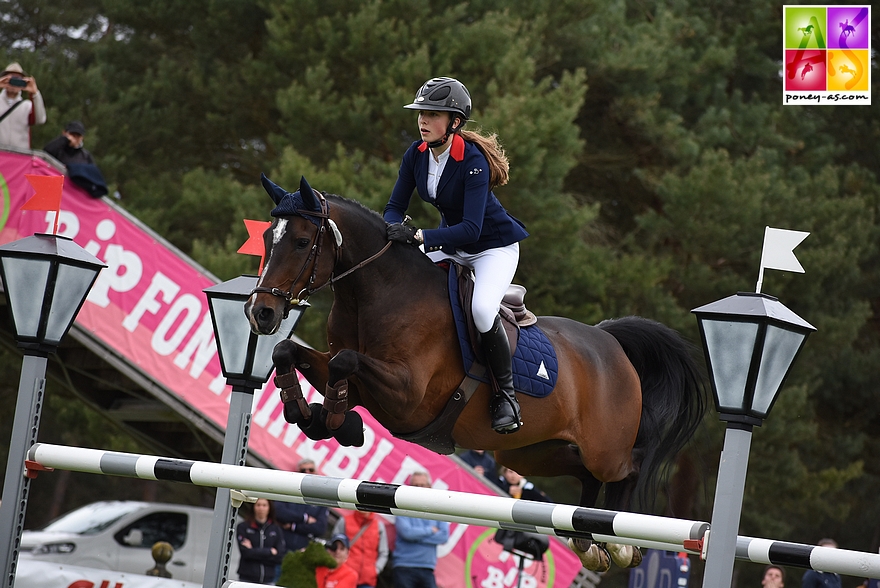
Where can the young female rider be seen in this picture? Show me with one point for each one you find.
(456, 170)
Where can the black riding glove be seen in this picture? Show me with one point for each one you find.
(402, 233)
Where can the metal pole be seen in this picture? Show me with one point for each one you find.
(235, 444)
(721, 549)
(25, 426)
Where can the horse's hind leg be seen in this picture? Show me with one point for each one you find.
(617, 497)
(559, 458)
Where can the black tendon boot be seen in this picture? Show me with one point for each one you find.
(503, 407)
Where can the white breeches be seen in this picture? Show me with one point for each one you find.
(493, 273)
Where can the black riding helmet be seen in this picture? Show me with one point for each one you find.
(444, 95)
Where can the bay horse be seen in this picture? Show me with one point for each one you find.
(628, 396)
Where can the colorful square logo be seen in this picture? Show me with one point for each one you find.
(827, 55)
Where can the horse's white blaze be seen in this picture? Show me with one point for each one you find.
(277, 235)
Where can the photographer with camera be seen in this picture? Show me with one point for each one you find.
(17, 115)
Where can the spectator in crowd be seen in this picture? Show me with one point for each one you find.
(774, 577)
(68, 146)
(261, 544)
(17, 115)
(368, 542)
(415, 549)
(81, 168)
(342, 576)
(301, 522)
(817, 579)
(482, 462)
(518, 487)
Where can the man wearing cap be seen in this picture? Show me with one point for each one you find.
(342, 576)
(17, 115)
(68, 146)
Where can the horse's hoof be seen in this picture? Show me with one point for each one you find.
(293, 415)
(625, 556)
(637, 558)
(596, 558)
(315, 429)
(581, 544)
(351, 433)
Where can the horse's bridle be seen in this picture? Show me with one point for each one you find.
(314, 254)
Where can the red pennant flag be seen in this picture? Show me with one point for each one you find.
(254, 244)
(48, 196)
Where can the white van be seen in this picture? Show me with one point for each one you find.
(119, 535)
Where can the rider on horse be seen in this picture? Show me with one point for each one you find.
(475, 230)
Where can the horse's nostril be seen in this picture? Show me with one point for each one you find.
(265, 315)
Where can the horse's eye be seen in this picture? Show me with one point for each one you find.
(302, 243)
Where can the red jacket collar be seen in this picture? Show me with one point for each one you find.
(457, 149)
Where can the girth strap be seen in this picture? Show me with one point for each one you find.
(437, 436)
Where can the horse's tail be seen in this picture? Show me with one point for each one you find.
(673, 394)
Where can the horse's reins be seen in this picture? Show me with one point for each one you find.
(314, 254)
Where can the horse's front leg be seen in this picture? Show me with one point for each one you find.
(288, 356)
(378, 384)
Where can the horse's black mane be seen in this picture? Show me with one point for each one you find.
(370, 213)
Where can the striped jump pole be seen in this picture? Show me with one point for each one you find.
(428, 503)
(249, 496)
(823, 559)
(458, 507)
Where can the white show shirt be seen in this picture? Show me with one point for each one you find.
(435, 171)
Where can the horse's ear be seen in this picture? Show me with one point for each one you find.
(273, 189)
(308, 196)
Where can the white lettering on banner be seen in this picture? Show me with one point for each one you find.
(161, 284)
(68, 223)
(456, 532)
(350, 456)
(278, 425)
(202, 344)
(123, 272)
(307, 449)
(291, 434)
(188, 304)
(408, 466)
(495, 578)
(383, 449)
(218, 385)
(261, 418)
(124, 268)
(498, 579)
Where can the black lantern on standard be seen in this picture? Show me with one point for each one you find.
(46, 279)
(751, 342)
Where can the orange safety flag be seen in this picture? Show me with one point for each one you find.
(48, 196)
(254, 244)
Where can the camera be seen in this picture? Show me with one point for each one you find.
(17, 82)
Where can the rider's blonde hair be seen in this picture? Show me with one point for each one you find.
(499, 167)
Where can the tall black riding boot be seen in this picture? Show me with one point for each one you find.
(503, 407)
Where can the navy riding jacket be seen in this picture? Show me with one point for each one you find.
(472, 218)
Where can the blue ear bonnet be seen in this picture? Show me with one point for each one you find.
(293, 203)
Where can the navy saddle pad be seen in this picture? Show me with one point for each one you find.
(535, 367)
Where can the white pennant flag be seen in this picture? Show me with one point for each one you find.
(778, 252)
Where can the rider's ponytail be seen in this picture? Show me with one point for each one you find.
(489, 146)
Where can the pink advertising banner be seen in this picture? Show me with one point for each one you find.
(149, 308)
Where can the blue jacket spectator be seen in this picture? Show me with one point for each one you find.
(482, 462)
(415, 549)
(301, 522)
